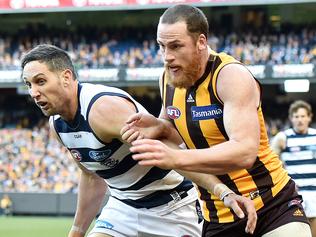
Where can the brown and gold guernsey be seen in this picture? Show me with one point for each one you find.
(197, 114)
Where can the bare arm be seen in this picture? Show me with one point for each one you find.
(92, 189)
(117, 120)
(278, 143)
(240, 95)
(142, 125)
(108, 115)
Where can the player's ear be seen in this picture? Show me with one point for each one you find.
(202, 42)
(310, 118)
(67, 77)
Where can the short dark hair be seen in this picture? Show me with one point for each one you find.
(55, 58)
(193, 17)
(300, 104)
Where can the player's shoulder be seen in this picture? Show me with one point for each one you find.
(234, 83)
(235, 70)
(108, 106)
(87, 89)
(92, 93)
(289, 132)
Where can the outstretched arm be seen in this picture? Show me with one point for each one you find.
(240, 95)
(92, 190)
(91, 195)
(142, 125)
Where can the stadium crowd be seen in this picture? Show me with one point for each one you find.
(33, 161)
(99, 49)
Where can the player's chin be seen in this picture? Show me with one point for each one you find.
(48, 112)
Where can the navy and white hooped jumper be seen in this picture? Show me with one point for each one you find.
(135, 185)
(299, 157)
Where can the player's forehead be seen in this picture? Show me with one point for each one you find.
(172, 32)
(300, 111)
(33, 69)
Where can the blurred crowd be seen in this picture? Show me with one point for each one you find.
(281, 48)
(137, 47)
(33, 161)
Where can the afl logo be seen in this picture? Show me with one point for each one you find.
(173, 112)
(76, 154)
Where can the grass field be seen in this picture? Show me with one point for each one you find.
(34, 226)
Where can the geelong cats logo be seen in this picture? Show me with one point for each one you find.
(76, 154)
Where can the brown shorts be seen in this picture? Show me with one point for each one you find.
(286, 207)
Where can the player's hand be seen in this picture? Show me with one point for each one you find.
(139, 126)
(241, 206)
(151, 152)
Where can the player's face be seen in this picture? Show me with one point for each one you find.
(300, 120)
(44, 87)
(180, 52)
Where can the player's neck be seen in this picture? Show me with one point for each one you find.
(302, 132)
(71, 103)
(204, 60)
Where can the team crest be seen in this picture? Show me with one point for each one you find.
(76, 154)
(173, 112)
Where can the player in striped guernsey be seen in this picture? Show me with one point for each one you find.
(297, 149)
(87, 119)
(213, 102)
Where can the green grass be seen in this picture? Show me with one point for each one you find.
(34, 226)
